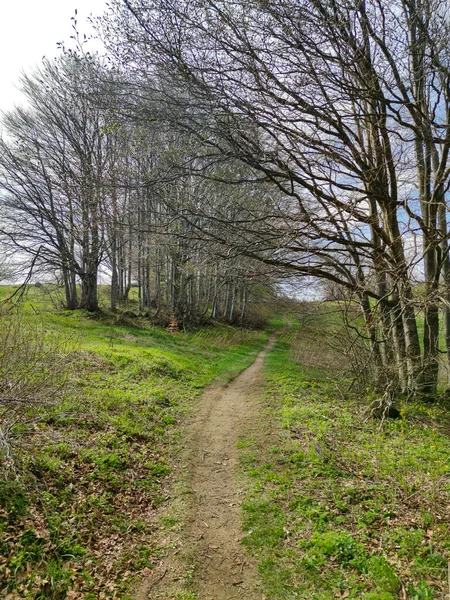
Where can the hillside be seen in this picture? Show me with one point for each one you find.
(128, 481)
(80, 498)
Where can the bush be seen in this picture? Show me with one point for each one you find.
(33, 374)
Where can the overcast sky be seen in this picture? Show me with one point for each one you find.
(29, 30)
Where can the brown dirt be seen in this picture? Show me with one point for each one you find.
(210, 540)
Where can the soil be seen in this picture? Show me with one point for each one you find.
(209, 545)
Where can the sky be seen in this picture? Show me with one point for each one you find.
(29, 30)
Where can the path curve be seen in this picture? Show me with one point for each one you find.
(212, 528)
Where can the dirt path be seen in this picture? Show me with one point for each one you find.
(211, 536)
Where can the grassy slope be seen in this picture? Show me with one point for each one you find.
(339, 505)
(78, 521)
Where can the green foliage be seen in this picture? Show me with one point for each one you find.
(13, 499)
(337, 545)
(422, 592)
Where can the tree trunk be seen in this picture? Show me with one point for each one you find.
(70, 289)
(89, 298)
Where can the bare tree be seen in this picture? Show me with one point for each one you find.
(54, 174)
(344, 107)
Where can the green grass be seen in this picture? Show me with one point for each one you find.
(338, 504)
(91, 468)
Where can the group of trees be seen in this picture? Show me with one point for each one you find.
(344, 108)
(85, 188)
(227, 139)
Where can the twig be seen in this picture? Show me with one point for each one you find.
(448, 578)
(20, 291)
(160, 578)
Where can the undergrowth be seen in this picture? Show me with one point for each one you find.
(340, 505)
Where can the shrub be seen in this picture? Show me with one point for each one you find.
(33, 374)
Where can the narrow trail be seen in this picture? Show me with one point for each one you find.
(212, 533)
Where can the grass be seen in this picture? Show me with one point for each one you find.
(78, 520)
(340, 505)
